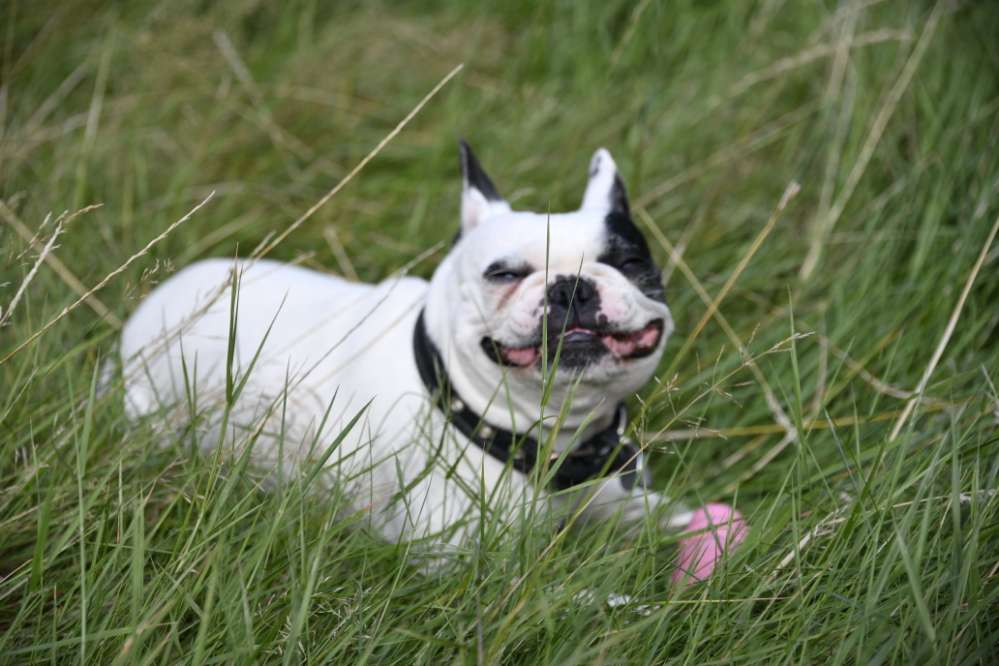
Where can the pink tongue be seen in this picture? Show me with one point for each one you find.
(647, 337)
(522, 356)
(619, 347)
(643, 339)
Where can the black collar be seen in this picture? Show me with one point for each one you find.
(607, 452)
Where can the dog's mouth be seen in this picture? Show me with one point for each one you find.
(580, 345)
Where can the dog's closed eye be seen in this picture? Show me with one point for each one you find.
(631, 263)
(501, 272)
(626, 263)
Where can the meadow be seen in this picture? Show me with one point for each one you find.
(820, 182)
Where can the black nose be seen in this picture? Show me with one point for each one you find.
(573, 293)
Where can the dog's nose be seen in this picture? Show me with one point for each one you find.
(571, 293)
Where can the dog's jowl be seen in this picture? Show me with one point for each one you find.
(447, 376)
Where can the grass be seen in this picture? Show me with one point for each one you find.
(875, 532)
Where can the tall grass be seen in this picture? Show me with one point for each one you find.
(874, 533)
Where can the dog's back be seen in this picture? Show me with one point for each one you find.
(295, 334)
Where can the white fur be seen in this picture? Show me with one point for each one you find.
(315, 336)
(602, 172)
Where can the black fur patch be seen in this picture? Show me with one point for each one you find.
(619, 198)
(474, 175)
(627, 250)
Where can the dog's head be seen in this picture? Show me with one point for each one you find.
(525, 289)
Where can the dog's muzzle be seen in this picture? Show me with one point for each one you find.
(574, 333)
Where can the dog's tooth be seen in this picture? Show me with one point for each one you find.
(457, 405)
(486, 431)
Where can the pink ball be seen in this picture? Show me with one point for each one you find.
(720, 529)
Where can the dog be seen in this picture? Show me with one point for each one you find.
(498, 385)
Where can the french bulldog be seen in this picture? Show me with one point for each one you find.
(496, 386)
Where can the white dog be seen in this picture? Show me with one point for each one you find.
(498, 384)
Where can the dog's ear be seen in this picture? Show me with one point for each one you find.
(479, 198)
(605, 190)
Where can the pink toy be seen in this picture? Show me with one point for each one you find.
(699, 553)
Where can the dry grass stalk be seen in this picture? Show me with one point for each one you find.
(340, 253)
(633, 22)
(110, 276)
(825, 224)
(789, 193)
(821, 528)
(808, 56)
(945, 339)
(277, 134)
(264, 249)
(775, 428)
(779, 415)
(729, 153)
(42, 254)
(56, 264)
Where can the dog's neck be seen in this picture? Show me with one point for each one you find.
(605, 452)
(511, 398)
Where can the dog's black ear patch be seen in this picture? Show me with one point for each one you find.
(473, 174)
(627, 250)
(619, 199)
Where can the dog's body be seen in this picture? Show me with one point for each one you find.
(518, 295)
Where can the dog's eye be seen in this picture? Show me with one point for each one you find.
(499, 272)
(632, 263)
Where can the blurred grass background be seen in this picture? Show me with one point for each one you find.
(866, 548)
